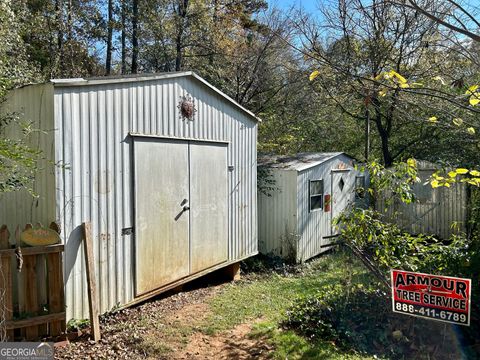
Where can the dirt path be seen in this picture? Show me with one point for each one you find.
(167, 328)
(232, 344)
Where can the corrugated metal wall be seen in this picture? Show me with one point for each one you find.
(314, 226)
(435, 211)
(33, 104)
(277, 214)
(93, 123)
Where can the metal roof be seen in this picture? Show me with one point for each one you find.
(298, 162)
(147, 77)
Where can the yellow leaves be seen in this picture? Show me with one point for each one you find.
(313, 75)
(473, 181)
(474, 100)
(437, 181)
(474, 95)
(457, 121)
(439, 79)
(433, 119)
(471, 90)
(471, 131)
(412, 163)
(382, 92)
(393, 77)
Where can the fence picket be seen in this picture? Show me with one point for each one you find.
(30, 293)
(39, 284)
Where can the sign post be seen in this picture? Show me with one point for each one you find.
(440, 298)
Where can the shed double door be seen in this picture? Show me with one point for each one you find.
(181, 215)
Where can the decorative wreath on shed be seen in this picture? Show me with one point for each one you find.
(186, 107)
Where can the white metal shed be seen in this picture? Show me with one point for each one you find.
(171, 195)
(307, 192)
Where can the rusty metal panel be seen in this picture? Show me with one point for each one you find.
(161, 223)
(208, 205)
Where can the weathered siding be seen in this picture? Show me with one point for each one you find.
(441, 211)
(277, 214)
(314, 226)
(33, 104)
(93, 123)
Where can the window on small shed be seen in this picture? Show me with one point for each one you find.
(315, 188)
(360, 186)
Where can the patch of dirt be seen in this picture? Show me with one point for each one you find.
(233, 344)
(166, 329)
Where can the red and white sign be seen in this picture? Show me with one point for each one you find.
(435, 297)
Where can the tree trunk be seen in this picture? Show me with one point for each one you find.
(367, 133)
(384, 133)
(70, 68)
(182, 14)
(124, 37)
(211, 57)
(59, 51)
(108, 58)
(59, 18)
(387, 156)
(135, 36)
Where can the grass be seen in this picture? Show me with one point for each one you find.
(268, 296)
(289, 345)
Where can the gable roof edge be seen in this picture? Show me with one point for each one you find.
(149, 77)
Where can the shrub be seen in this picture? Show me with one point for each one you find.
(390, 247)
(357, 318)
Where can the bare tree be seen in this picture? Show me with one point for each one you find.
(181, 11)
(123, 36)
(108, 57)
(135, 49)
(368, 42)
(458, 18)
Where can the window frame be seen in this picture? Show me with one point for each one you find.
(310, 195)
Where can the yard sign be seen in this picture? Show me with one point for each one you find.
(441, 298)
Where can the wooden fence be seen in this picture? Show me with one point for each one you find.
(31, 288)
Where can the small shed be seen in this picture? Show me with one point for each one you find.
(164, 166)
(302, 196)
